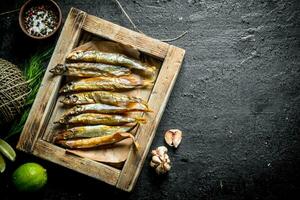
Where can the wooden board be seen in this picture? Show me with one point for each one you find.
(37, 133)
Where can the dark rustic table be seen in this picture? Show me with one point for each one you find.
(237, 100)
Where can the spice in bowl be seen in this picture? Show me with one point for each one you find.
(40, 21)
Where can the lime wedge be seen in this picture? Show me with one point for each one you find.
(7, 150)
(2, 164)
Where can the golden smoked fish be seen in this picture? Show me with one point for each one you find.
(111, 58)
(106, 97)
(99, 119)
(107, 83)
(91, 131)
(96, 141)
(106, 109)
(89, 70)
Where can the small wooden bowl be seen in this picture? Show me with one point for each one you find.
(29, 4)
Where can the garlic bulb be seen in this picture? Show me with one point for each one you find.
(160, 160)
(173, 137)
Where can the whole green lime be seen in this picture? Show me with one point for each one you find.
(29, 177)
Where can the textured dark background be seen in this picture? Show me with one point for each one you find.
(236, 100)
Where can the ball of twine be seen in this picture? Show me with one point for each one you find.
(13, 91)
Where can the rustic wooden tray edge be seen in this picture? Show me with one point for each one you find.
(30, 140)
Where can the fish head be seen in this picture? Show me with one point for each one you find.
(70, 99)
(66, 88)
(58, 69)
(62, 134)
(75, 55)
(76, 109)
(64, 120)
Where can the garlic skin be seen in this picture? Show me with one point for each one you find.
(160, 160)
(173, 137)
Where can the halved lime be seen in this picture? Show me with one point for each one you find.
(29, 177)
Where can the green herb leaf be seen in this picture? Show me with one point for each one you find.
(33, 72)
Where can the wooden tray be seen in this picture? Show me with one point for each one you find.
(35, 135)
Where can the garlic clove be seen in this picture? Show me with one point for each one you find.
(167, 166)
(153, 164)
(166, 157)
(173, 137)
(169, 138)
(154, 152)
(159, 169)
(156, 159)
(161, 150)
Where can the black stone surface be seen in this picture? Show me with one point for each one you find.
(236, 99)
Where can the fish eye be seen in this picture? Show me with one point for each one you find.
(73, 98)
(60, 67)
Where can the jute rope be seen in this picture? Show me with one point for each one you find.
(13, 91)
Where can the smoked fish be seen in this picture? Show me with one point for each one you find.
(99, 119)
(96, 141)
(106, 109)
(106, 97)
(113, 59)
(91, 131)
(89, 70)
(106, 83)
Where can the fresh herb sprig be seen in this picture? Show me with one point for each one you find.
(33, 72)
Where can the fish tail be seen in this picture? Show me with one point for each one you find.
(147, 107)
(152, 69)
(133, 127)
(148, 83)
(136, 145)
(141, 120)
(149, 110)
(134, 106)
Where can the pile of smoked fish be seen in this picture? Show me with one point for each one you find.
(98, 112)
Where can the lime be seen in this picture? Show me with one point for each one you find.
(2, 164)
(29, 177)
(7, 150)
